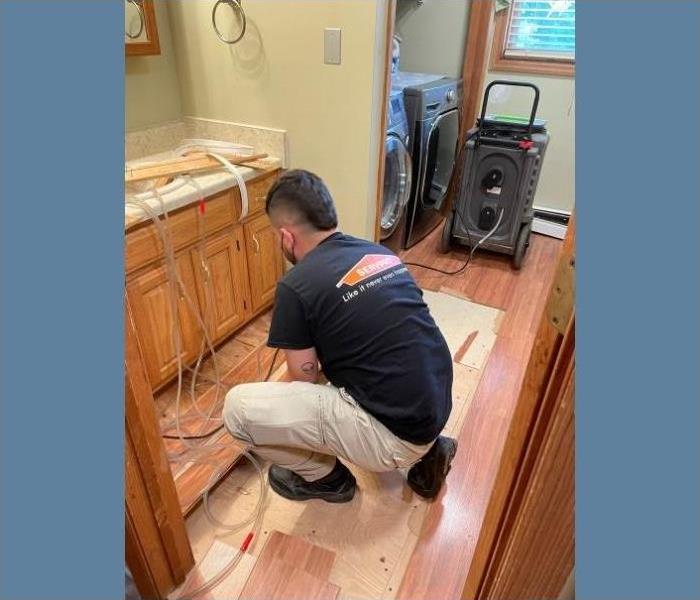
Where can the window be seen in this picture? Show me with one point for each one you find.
(535, 36)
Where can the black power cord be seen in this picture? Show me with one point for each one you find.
(220, 427)
(458, 177)
(194, 437)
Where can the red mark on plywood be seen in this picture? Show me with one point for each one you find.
(459, 355)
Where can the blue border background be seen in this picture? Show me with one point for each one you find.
(638, 489)
(61, 426)
(637, 197)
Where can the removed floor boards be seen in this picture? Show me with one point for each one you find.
(374, 535)
(290, 568)
(242, 358)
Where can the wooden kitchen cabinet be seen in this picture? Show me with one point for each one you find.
(222, 282)
(265, 261)
(150, 299)
(230, 273)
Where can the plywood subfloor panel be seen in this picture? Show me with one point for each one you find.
(374, 535)
(460, 320)
(217, 559)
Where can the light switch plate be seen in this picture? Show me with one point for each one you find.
(331, 46)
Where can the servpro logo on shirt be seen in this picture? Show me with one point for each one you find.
(368, 266)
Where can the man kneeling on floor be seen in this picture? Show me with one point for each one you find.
(353, 307)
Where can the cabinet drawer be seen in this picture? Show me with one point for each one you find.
(257, 192)
(143, 244)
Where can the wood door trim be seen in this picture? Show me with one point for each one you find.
(389, 33)
(476, 60)
(544, 373)
(151, 462)
(554, 419)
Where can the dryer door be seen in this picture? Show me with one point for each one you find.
(397, 184)
(441, 150)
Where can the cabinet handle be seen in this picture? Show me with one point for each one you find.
(257, 244)
(205, 268)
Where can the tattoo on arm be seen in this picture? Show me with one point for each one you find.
(309, 368)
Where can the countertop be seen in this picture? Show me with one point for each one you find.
(184, 190)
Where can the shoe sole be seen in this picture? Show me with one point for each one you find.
(445, 466)
(338, 498)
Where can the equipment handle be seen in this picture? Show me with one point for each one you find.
(536, 101)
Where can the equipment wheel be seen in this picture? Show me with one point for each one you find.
(521, 245)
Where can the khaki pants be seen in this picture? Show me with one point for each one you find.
(305, 426)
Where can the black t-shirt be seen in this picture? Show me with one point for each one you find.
(357, 304)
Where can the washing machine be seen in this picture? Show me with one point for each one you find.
(398, 170)
(398, 164)
(433, 113)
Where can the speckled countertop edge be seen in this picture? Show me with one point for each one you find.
(188, 189)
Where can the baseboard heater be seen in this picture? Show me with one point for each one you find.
(551, 222)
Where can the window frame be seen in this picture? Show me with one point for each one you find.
(539, 65)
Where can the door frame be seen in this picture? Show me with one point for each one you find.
(157, 548)
(548, 379)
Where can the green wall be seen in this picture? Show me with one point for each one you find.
(151, 87)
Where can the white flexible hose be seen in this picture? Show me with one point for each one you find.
(493, 230)
(239, 178)
(193, 452)
(143, 197)
(202, 145)
(201, 453)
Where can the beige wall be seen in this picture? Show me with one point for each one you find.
(433, 35)
(152, 91)
(555, 189)
(275, 77)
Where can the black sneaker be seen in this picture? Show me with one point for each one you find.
(337, 486)
(426, 477)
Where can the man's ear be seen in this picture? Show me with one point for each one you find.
(286, 235)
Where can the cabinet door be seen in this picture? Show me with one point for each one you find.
(150, 299)
(265, 262)
(222, 282)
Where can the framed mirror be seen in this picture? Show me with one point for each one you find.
(140, 29)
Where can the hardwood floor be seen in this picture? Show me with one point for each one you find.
(243, 358)
(448, 540)
(290, 568)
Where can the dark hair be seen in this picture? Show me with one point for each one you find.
(304, 195)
